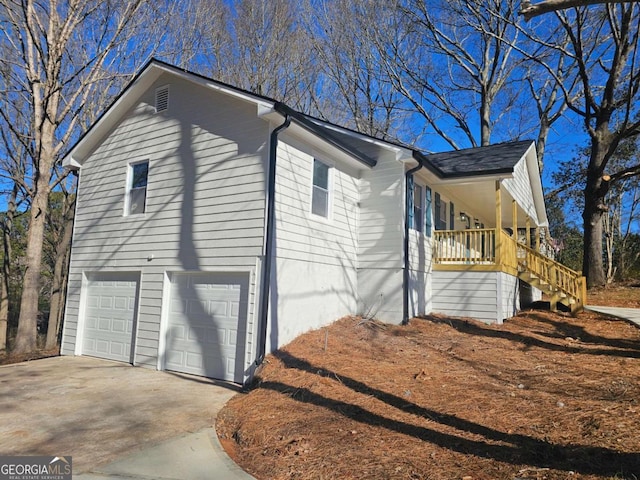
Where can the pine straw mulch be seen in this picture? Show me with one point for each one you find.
(616, 295)
(544, 396)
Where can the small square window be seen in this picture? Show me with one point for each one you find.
(137, 188)
(320, 193)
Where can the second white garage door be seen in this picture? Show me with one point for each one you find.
(206, 327)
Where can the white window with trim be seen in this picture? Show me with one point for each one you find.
(321, 189)
(137, 179)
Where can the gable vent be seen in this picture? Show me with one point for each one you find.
(162, 98)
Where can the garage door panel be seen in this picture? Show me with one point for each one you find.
(205, 316)
(109, 315)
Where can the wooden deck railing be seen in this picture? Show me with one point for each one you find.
(478, 249)
(465, 246)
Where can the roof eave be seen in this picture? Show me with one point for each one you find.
(531, 159)
(314, 128)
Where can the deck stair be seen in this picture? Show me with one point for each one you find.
(559, 282)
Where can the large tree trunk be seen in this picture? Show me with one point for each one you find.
(6, 267)
(26, 339)
(541, 144)
(485, 119)
(594, 206)
(60, 273)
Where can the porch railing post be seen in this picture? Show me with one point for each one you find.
(498, 258)
(514, 219)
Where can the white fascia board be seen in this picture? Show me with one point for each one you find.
(531, 159)
(473, 179)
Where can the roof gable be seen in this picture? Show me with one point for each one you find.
(331, 134)
(495, 159)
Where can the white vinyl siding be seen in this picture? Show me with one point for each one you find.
(316, 259)
(519, 187)
(204, 206)
(380, 239)
(488, 296)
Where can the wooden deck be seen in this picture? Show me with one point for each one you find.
(489, 249)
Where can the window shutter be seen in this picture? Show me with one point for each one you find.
(438, 211)
(428, 213)
(452, 217)
(410, 202)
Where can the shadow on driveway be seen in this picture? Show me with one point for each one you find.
(97, 410)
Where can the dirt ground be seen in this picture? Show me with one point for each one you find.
(544, 396)
(96, 410)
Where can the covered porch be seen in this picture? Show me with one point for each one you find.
(509, 241)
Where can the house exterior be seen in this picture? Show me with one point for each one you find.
(214, 226)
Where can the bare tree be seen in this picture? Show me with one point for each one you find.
(604, 43)
(550, 72)
(6, 265)
(58, 55)
(456, 66)
(13, 155)
(347, 37)
(258, 45)
(60, 231)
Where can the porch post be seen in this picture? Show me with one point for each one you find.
(514, 219)
(528, 226)
(537, 239)
(498, 258)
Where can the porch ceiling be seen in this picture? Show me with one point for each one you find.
(477, 199)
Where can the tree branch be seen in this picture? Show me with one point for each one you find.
(529, 10)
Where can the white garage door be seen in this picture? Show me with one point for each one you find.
(109, 315)
(206, 328)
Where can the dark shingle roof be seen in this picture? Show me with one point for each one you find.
(492, 159)
(353, 146)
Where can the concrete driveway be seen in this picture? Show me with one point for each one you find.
(98, 411)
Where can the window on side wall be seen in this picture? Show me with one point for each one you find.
(137, 188)
(321, 189)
